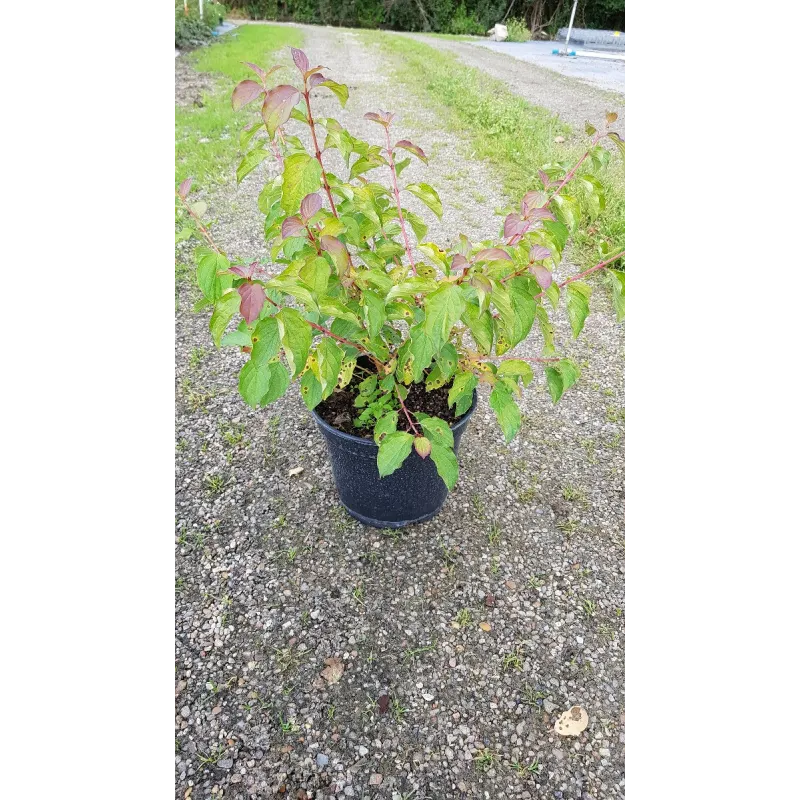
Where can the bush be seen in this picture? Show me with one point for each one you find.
(465, 23)
(388, 319)
(192, 31)
(518, 31)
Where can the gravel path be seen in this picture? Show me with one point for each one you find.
(571, 99)
(272, 578)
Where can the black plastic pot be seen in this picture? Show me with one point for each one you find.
(412, 493)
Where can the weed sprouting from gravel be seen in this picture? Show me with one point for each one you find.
(398, 710)
(495, 533)
(214, 484)
(512, 660)
(463, 618)
(484, 761)
(411, 653)
(589, 608)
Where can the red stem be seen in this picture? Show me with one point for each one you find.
(397, 200)
(200, 225)
(318, 154)
(414, 428)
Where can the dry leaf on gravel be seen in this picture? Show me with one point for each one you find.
(334, 669)
(559, 140)
(485, 626)
(295, 471)
(572, 722)
(383, 703)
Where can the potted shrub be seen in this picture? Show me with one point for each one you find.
(389, 342)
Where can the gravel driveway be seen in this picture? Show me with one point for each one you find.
(454, 644)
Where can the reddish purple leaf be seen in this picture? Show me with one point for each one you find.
(245, 92)
(382, 117)
(253, 298)
(292, 226)
(338, 252)
(492, 254)
(532, 200)
(459, 262)
(258, 71)
(544, 178)
(331, 244)
(278, 105)
(541, 213)
(310, 205)
(383, 703)
(539, 253)
(184, 188)
(514, 226)
(300, 59)
(422, 446)
(244, 271)
(412, 148)
(489, 601)
(543, 276)
(315, 80)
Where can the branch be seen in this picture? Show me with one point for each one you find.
(318, 153)
(206, 233)
(397, 201)
(414, 428)
(583, 274)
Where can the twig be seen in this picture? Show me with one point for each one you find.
(408, 416)
(397, 201)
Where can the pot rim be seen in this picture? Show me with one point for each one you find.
(371, 442)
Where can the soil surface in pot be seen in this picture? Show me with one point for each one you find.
(338, 410)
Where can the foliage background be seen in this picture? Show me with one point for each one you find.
(443, 16)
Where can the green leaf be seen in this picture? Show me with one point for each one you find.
(480, 325)
(447, 360)
(428, 195)
(310, 389)
(339, 89)
(254, 380)
(461, 392)
(385, 425)
(237, 339)
(506, 410)
(618, 292)
(315, 274)
(393, 451)
(619, 142)
(302, 175)
(209, 264)
(296, 338)
(278, 383)
(227, 306)
(267, 341)
(250, 162)
(567, 210)
(443, 308)
(546, 327)
(329, 362)
(557, 231)
(517, 310)
(422, 350)
(446, 464)
(332, 307)
(270, 195)
(516, 368)
(438, 431)
(560, 377)
(411, 287)
(417, 224)
(578, 295)
(375, 312)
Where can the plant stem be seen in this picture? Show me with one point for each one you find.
(414, 428)
(586, 272)
(397, 201)
(318, 154)
(327, 332)
(206, 233)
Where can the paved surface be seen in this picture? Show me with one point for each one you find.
(273, 578)
(604, 70)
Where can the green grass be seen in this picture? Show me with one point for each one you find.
(212, 162)
(515, 137)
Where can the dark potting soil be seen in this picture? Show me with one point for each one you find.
(338, 410)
